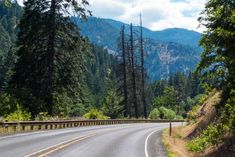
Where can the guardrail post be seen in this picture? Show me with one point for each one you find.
(6, 128)
(170, 129)
(23, 128)
(31, 127)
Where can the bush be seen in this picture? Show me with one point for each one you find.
(95, 114)
(43, 116)
(163, 113)
(18, 115)
(154, 114)
(210, 136)
(192, 115)
(7, 104)
(166, 113)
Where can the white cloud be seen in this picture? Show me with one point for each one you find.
(157, 14)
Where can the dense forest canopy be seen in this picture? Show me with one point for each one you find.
(49, 67)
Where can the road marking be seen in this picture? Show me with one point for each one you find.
(146, 143)
(51, 149)
(21, 134)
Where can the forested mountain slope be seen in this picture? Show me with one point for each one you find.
(167, 51)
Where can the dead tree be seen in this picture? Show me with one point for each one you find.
(142, 68)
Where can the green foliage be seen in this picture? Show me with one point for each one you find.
(100, 74)
(168, 99)
(179, 93)
(51, 54)
(199, 100)
(170, 154)
(218, 59)
(95, 114)
(154, 114)
(192, 115)
(8, 104)
(211, 136)
(42, 116)
(163, 113)
(112, 106)
(228, 115)
(18, 115)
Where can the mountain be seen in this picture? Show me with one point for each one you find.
(167, 51)
(178, 35)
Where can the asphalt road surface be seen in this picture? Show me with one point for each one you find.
(125, 140)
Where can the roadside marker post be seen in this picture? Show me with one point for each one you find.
(170, 128)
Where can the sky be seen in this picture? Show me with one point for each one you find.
(157, 14)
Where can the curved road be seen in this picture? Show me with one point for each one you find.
(125, 140)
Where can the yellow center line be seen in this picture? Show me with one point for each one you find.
(64, 146)
(57, 147)
(54, 148)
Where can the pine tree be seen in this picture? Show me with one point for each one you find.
(50, 52)
(218, 59)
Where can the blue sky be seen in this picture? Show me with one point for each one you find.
(157, 14)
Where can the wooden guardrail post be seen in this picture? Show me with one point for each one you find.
(170, 129)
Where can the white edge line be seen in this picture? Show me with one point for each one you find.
(146, 143)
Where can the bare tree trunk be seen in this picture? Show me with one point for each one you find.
(142, 68)
(133, 73)
(124, 72)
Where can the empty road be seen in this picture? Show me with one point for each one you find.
(125, 140)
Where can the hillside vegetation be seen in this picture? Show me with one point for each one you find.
(202, 137)
(211, 130)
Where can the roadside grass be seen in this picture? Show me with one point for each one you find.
(175, 144)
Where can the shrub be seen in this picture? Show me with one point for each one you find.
(43, 116)
(7, 104)
(163, 113)
(18, 115)
(210, 136)
(166, 113)
(192, 115)
(154, 114)
(95, 114)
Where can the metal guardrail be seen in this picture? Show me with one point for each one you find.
(8, 127)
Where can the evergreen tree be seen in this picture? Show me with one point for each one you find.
(50, 55)
(218, 59)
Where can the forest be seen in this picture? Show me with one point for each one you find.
(49, 69)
